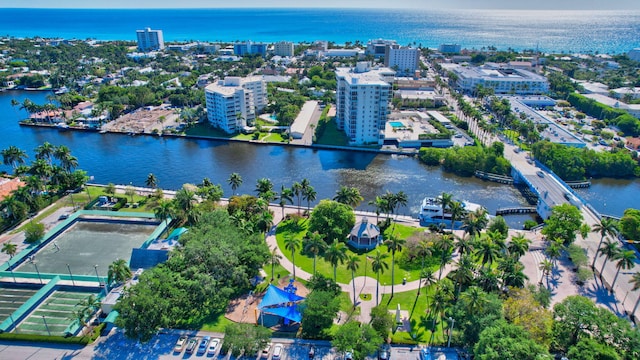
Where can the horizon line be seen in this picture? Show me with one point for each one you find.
(302, 8)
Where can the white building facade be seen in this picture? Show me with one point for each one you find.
(405, 60)
(283, 48)
(149, 40)
(501, 80)
(232, 103)
(362, 99)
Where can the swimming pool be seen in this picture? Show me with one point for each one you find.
(396, 124)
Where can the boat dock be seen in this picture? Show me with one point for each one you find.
(494, 177)
(516, 210)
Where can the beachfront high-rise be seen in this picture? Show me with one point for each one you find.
(362, 99)
(283, 48)
(404, 60)
(149, 40)
(232, 103)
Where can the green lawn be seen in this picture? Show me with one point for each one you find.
(420, 322)
(273, 137)
(205, 129)
(343, 275)
(332, 136)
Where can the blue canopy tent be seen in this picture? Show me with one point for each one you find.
(281, 303)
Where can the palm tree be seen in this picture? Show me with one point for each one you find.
(610, 250)
(394, 244)
(10, 249)
(635, 280)
(518, 246)
(296, 188)
(353, 263)
(474, 222)
(45, 151)
(488, 251)
(292, 244)
(13, 156)
(314, 244)
(445, 201)
(554, 250)
(309, 194)
(424, 247)
(264, 189)
(456, 209)
(379, 265)
(380, 204)
(163, 211)
(626, 260)
(151, 181)
(400, 199)
(234, 180)
(118, 272)
(348, 196)
(336, 253)
(444, 244)
(546, 267)
(429, 278)
(463, 274)
(285, 196)
(274, 259)
(606, 226)
(464, 245)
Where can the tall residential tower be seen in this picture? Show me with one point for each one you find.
(149, 40)
(233, 103)
(362, 98)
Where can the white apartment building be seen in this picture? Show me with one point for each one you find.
(501, 80)
(362, 98)
(233, 103)
(405, 60)
(283, 48)
(378, 47)
(149, 40)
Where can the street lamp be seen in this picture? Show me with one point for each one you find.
(45, 324)
(13, 323)
(71, 275)
(97, 276)
(14, 276)
(453, 322)
(38, 272)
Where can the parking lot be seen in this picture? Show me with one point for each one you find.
(117, 347)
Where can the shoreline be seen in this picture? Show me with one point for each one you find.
(412, 153)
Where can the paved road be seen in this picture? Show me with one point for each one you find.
(623, 299)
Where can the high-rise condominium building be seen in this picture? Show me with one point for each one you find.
(233, 103)
(149, 40)
(362, 98)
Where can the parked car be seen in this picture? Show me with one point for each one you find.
(265, 351)
(277, 352)
(312, 352)
(540, 174)
(63, 217)
(192, 344)
(180, 344)
(213, 346)
(383, 353)
(203, 345)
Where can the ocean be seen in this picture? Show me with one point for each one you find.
(610, 32)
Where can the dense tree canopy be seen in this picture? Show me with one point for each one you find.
(215, 262)
(332, 219)
(571, 163)
(504, 341)
(563, 223)
(466, 160)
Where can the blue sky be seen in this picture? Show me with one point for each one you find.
(424, 4)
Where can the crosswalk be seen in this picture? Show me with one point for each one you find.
(538, 256)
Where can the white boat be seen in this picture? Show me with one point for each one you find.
(431, 212)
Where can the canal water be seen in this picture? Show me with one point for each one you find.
(124, 159)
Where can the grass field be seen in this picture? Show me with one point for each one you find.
(343, 275)
(332, 136)
(420, 322)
